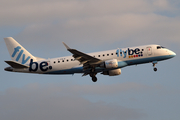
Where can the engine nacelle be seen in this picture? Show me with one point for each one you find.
(110, 64)
(112, 72)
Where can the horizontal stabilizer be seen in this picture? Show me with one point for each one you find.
(16, 64)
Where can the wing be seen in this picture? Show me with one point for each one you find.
(85, 59)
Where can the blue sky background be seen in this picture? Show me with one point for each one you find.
(138, 93)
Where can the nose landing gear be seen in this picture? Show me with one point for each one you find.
(154, 65)
(155, 69)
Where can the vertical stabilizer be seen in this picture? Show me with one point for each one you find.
(17, 52)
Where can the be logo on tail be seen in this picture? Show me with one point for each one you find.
(18, 49)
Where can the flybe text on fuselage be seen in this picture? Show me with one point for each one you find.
(130, 53)
(33, 66)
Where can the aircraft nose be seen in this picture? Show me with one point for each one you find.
(172, 53)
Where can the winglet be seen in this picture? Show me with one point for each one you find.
(67, 47)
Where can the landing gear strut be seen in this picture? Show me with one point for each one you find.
(154, 65)
(93, 75)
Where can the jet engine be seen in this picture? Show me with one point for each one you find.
(109, 64)
(112, 72)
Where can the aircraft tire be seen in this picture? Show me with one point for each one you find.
(94, 79)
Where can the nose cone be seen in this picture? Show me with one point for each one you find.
(173, 54)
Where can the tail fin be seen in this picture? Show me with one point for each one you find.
(17, 52)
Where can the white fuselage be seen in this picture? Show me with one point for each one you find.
(125, 57)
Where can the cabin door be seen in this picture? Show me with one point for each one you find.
(149, 51)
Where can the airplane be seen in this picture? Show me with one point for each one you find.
(105, 62)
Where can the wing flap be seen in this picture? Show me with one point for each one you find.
(16, 64)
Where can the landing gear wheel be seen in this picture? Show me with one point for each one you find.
(155, 69)
(154, 64)
(94, 79)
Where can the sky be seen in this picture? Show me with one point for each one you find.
(138, 93)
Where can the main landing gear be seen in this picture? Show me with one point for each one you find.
(94, 79)
(93, 75)
(154, 65)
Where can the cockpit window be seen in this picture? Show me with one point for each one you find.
(160, 47)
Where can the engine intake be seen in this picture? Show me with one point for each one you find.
(110, 64)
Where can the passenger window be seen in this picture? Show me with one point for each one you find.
(111, 53)
(103, 54)
(107, 54)
(67, 60)
(58, 61)
(62, 60)
(98, 55)
(71, 59)
(54, 62)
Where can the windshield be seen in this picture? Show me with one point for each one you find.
(160, 47)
